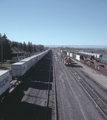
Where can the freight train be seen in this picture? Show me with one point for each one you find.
(18, 70)
(4, 82)
(88, 61)
(95, 55)
(66, 59)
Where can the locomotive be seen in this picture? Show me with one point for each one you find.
(66, 59)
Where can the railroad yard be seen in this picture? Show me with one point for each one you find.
(52, 90)
(29, 100)
(53, 60)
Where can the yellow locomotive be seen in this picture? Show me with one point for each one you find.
(66, 60)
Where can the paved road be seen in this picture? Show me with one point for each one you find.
(73, 103)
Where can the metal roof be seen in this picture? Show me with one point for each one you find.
(3, 72)
(26, 59)
(18, 63)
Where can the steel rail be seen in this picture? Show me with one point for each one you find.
(91, 88)
(54, 76)
(48, 93)
(98, 85)
(93, 99)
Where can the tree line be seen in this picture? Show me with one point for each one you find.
(6, 45)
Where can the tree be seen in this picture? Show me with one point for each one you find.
(7, 53)
(24, 46)
(30, 47)
(7, 45)
(41, 47)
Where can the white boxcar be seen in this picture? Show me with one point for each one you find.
(78, 57)
(32, 61)
(4, 81)
(98, 55)
(28, 62)
(67, 53)
(91, 54)
(71, 55)
(18, 69)
(36, 59)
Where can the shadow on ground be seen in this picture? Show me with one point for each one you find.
(24, 111)
(28, 100)
(73, 64)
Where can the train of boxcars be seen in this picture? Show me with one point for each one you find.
(90, 59)
(66, 59)
(18, 70)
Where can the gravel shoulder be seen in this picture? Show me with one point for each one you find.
(94, 74)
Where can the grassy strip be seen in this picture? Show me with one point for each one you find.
(5, 66)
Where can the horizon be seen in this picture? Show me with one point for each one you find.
(102, 46)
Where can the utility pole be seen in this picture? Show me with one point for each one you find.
(1, 52)
(1, 41)
(1, 48)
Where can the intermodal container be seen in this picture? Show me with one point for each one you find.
(28, 62)
(18, 69)
(4, 81)
(78, 57)
(67, 53)
(71, 54)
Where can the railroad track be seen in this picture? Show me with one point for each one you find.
(55, 92)
(48, 93)
(55, 97)
(97, 100)
(97, 87)
(43, 89)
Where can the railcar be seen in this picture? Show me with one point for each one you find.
(4, 82)
(20, 68)
(59, 54)
(90, 59)
(68, 53)
(29, 62)
(98, 56)
(66, 59)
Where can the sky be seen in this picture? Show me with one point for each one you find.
(55, 22)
